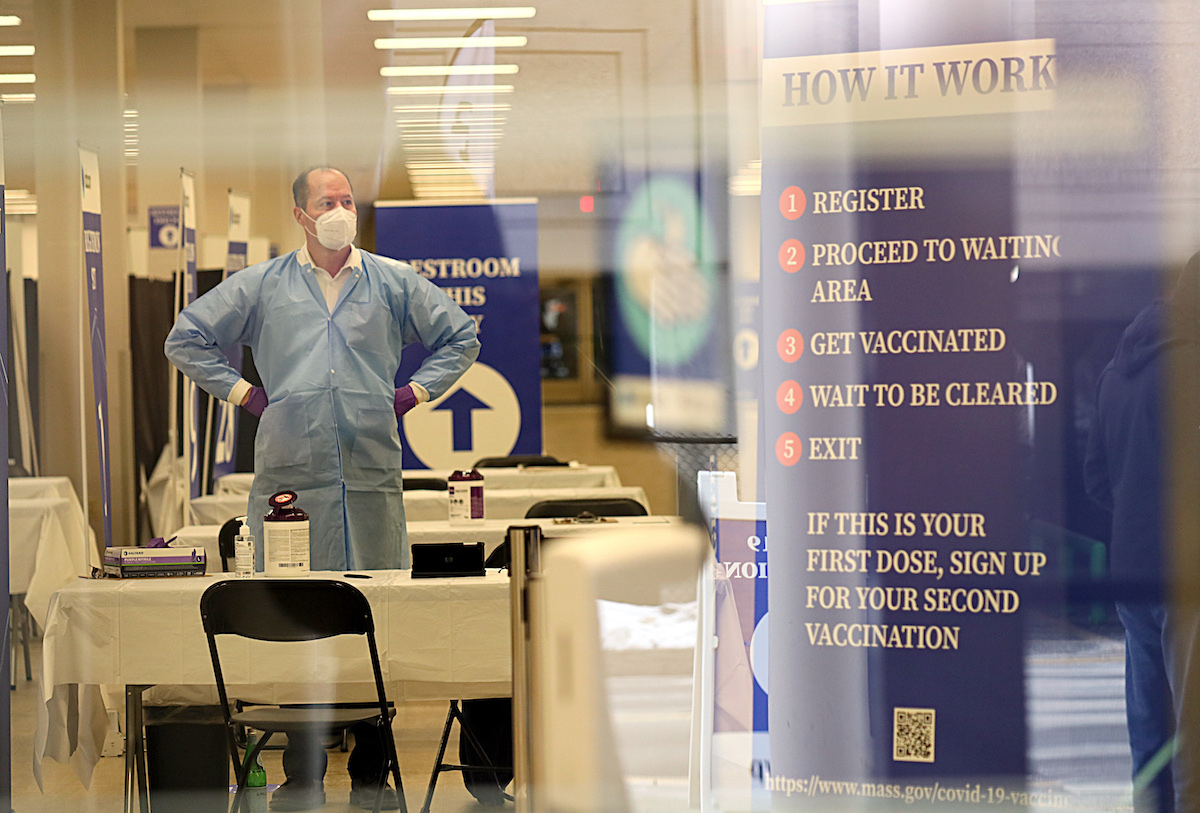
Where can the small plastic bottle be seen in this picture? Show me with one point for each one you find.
(466, 496)
(243, 553)
(256, 778)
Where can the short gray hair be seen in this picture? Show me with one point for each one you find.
(300, 188)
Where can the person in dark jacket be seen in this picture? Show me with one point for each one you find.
(1128, 456)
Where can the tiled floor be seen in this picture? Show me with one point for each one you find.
(651, 721)
(418, 728)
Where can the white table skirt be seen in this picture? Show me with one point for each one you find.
(438, 639)
(573, 476)
(423, 506)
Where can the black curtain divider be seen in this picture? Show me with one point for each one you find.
(151, 318)
(31, 346)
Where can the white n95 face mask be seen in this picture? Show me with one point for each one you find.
(335, 228)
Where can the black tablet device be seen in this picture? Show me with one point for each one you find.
(440, 559)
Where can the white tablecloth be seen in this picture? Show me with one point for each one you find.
(490, 532)
(422, 506)
(573, 476)
(46, 548)
(438, 639)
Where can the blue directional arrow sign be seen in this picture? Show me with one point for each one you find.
(461, 404)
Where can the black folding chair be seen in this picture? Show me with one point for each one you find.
(291, 611)
(514, 460)
(615, 507)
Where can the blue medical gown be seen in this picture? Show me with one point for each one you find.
(329, 432)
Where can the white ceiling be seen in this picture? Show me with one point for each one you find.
(591, 78)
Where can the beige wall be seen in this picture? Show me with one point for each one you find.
(577, 433)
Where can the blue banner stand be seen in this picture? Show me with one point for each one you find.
(736, 763)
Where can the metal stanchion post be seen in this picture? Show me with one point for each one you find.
(524, 567)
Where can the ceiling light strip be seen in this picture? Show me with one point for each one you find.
(427, 43)
(426, 138)
(448, 70)
(434, 108)
(426, 176)
(465, 117)
(472, 125)
(438, 90)
(416, 167)
(419, 14)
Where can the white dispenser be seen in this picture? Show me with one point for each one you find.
(285, 537)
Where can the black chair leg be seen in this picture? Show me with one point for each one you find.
(437, 763)
(26, 634)
(391, 765)
(395, 759)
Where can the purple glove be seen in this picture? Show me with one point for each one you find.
(256, 402)
(405, 400)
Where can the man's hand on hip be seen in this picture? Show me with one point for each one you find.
(405, 400)
(256, 401)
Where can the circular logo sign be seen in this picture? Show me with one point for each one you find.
(667, 276)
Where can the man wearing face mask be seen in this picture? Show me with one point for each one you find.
(327, 324)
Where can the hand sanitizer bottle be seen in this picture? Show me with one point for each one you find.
(243, 553)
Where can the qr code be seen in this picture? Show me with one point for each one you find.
(912, 735)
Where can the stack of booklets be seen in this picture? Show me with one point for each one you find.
(140, 563)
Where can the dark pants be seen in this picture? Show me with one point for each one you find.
(305, 760)
(1150, 705)
(491, 723)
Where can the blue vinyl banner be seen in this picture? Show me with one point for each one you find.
(5, 577)
(93, 257)
(485, 257)
(193, 440)
(225, 447)
(896, 406)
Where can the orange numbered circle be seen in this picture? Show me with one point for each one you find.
(791, 256)
(790, 345)
(792, 202)
(789, 397)
(789, 449)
